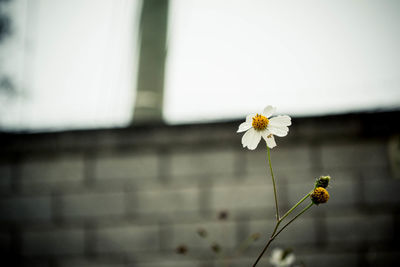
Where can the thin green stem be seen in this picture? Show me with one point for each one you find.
(273, 183)
(262, 253)
(295, 206)
(272, 237)
(275, 234)
(269, 242)
(278, 219)
(292, 220)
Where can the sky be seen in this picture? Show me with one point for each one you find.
(76, 66)
(74, 62)
(306, 57)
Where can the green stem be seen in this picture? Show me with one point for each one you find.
(292, 220)
(269, 241)
(295, 206)
(275, 234)
(262, 253)
(278, 219)
(273, 183)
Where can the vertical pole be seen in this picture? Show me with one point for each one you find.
(150, 79)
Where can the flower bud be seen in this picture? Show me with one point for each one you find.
(320, 195)
(322, 181)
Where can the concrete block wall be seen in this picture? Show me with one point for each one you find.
(130, 197)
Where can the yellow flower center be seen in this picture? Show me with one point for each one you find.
(260, 122)
(320, 195)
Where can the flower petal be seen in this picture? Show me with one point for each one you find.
(276, 256)
(289, 259)
(281, 120)
(251, 139)
(268, 111)
(244, 127)
(249, 118)
(269, 139)
(279, 131)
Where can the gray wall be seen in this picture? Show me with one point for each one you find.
(129, 197)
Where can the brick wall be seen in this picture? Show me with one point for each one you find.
(129, 197)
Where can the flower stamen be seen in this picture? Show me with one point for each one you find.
(260, 122)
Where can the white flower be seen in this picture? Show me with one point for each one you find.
(281, 258)
(261, 125)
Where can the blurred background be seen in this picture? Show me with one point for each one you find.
(118, 124)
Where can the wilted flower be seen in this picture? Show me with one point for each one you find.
(261, 125)
(319, 196)
(281, 258)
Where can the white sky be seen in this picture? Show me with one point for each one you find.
(80, 63)
(229, 58)
(75, 61)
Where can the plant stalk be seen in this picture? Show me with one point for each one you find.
(274, 185)
(275, 234)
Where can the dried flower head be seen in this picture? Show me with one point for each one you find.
(319, 196)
